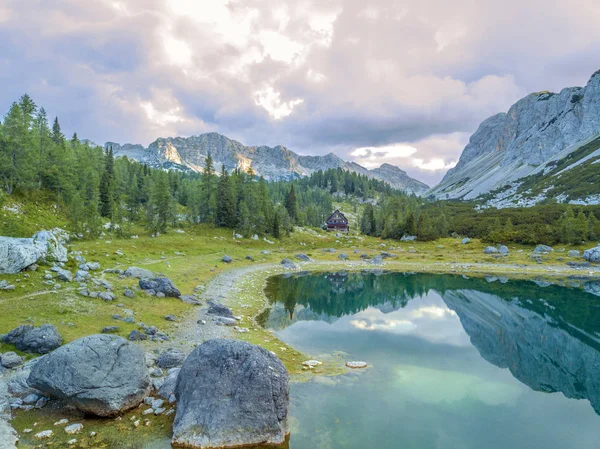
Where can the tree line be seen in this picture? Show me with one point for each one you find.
(96, 190)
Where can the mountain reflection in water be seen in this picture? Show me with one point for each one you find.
(547, 337)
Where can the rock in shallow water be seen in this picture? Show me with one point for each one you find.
(100, 374)
(231, 393)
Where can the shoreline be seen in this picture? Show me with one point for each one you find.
(242, 290)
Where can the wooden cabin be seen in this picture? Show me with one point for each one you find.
(337, 222)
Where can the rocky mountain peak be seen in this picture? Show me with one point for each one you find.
(274, 163)
(509, 146)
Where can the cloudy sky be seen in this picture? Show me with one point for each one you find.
(399, 81)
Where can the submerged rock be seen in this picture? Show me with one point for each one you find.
(100, 374)
(231, 393)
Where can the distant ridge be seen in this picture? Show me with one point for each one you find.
(274, 163)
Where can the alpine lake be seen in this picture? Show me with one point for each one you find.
(453, 363)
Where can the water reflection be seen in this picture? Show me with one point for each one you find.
(461, 362)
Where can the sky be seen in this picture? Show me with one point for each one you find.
(398, 81)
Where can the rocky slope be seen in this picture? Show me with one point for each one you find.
(274, 163)
(524, 154)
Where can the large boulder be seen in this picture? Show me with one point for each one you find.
(53, 241)
(140, 273)
(592, 254)
(490, 250)
(231, 393)
(39, 340)
(160, 285)
(103, 375)
(18, 254)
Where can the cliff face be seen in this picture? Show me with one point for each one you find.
(536, 350)
(274, 163)
(539, 129)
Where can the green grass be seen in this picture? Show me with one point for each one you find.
(24, 215)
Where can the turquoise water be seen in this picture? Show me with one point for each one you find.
(455, 363)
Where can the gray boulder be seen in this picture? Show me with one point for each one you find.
(140, 273)
(103, 375)
(543, 249)
(53, 242)
(466, 241)
(503, 249)
(377, 260)
(18, 254)
(592, 254)
(39, 340)
(214, 308)
(231, 393)
(136, 335)
(167, 390)
(160, 285)
(64, 275)
(10, 360)
(171, 358)
(490, 250)
(129, 293)
(227, 259)
(343, 256)
(89, 266)
(573, 253)
(287, 263)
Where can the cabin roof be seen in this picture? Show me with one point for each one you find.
(337, 215)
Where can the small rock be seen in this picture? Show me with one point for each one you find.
(356, 365)
(10, 360)
(61, 422)
(136, 335)
(74, 428)
(312, 363)
(110, 329)
(129, 293)
(227, 259)
(170, 318)
(107, 296)
(46, 434)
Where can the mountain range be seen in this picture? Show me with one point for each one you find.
(546, 147)
(274, 163)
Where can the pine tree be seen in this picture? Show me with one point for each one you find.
(57, 136)
(160, 204)
(226, 205)
(207, 198)
(291, 204)
(74, 140)
(276, 226)
(43, 134)
(29, 109)
(107, 186)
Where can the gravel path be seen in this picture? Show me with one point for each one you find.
(222, 288)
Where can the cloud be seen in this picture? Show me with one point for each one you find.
(316, 75)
